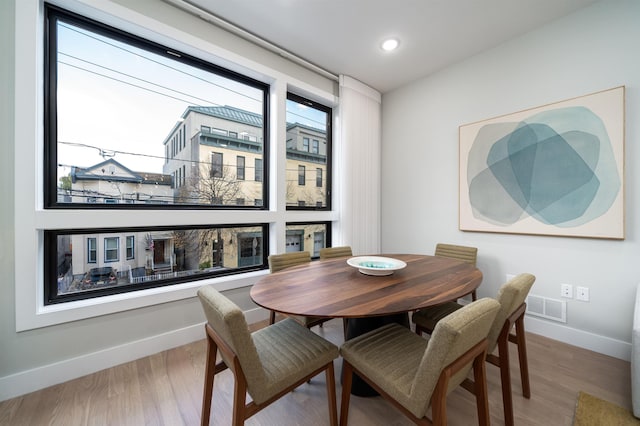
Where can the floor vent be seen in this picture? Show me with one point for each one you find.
(545, 307)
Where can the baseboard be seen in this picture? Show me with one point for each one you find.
(60, 372)
(48, 375)
(580, 338)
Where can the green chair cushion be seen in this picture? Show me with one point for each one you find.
(407, 366)
(428, 317)
(288, 352)
(271, 358)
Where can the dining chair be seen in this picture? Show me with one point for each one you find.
(278, 262)
(414, 373)
(331, 252)
(464, 253)
(266, 364)
(511, 297)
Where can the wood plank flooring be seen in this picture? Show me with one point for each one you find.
(166, 389)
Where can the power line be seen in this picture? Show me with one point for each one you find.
(133, 77)
(125, 82)
(88, 35)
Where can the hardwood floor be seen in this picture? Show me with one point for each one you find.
(166, 389)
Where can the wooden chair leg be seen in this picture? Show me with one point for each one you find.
(347, 379)
(239, 401)
(505, 378)
(480, 388)
(522, 356)
(209, 375)
(331, 394)
(439, 402)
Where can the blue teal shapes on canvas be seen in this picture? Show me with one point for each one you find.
(556, 166)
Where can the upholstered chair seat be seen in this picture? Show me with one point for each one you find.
(416, 374)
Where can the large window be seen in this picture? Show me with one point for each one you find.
(308, 147)
(130, 124)
(120, 111)
(308, 236)
(168, 256)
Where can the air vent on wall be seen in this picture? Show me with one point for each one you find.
(545, 307)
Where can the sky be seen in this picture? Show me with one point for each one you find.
(117, 101)
(115, 97)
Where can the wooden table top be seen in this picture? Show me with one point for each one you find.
(332, 288)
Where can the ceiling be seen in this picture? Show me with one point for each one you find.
(344, 36)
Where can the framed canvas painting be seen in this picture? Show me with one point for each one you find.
(553, 170)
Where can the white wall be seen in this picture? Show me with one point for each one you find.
(594, 49)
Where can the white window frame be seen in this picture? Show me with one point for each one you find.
(108, 251)
(32, 219)
(130, 245)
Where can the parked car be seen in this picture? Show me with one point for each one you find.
(102, 276)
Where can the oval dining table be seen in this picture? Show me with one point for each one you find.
(332, 288)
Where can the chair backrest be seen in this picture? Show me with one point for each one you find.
(464, 253)
(453, 336)
(329, 252)
(228, 321)
(278, 262)
(511, 295)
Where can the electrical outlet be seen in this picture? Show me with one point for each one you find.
(566, 291)
(582, 293)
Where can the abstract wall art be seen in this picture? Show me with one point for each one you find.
(552, 170)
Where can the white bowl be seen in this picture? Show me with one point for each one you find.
(376, 265)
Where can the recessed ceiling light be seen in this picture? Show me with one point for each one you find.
(390, 44)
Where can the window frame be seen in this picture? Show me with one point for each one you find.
(217, 164)
(328, 200)
(52, 14)
(52, 297)
(92, 254)
(302, 175)
(130, 248)
(107, 250)
(259, 169)
(240, 168)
